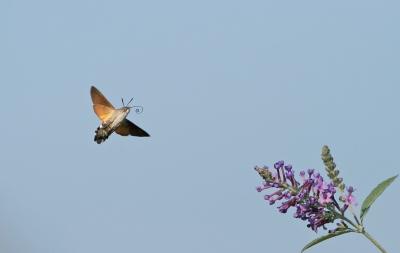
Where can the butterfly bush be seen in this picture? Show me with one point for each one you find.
(314, 199)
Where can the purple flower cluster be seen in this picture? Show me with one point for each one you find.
(313, 198)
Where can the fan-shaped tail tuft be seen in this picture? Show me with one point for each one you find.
(100, 135)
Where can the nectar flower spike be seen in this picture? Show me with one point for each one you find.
(314, 200)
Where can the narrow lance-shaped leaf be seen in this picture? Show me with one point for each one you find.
(374, 195)
(323, 238)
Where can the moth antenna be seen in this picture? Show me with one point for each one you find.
(129, 102)
(123, 102)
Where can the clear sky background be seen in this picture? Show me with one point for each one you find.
(225, 86)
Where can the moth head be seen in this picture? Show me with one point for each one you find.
(127, 108)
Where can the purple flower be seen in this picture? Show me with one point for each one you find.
(310, 198)
(350, 190)
(265, 183)
(350, 200)
(325, 198)
(320, 186)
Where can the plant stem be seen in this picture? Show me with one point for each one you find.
(339, 215)
(373, 241)
(354, 215)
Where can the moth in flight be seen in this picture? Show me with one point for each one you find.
(112, 119)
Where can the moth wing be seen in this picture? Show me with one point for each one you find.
(128, 128)
(123, 129)
(99, 99)
(103, 112)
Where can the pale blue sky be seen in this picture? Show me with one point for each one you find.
(225, 86)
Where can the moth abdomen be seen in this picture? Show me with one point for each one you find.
(100, 135)
(106, 129)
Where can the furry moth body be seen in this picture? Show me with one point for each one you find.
(107, 127)
(113, 120)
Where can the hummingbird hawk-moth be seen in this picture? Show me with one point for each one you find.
(112, 119)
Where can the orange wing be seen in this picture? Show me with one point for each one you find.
(103, 112)
(128, 128)
(99, 99)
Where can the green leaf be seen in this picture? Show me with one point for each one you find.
(374, 195)
(325, 237)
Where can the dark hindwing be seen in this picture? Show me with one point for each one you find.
(128, 128)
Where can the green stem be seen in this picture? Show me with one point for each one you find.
(354, 215)
(373, 241)
(360, 229)
(339, 215)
